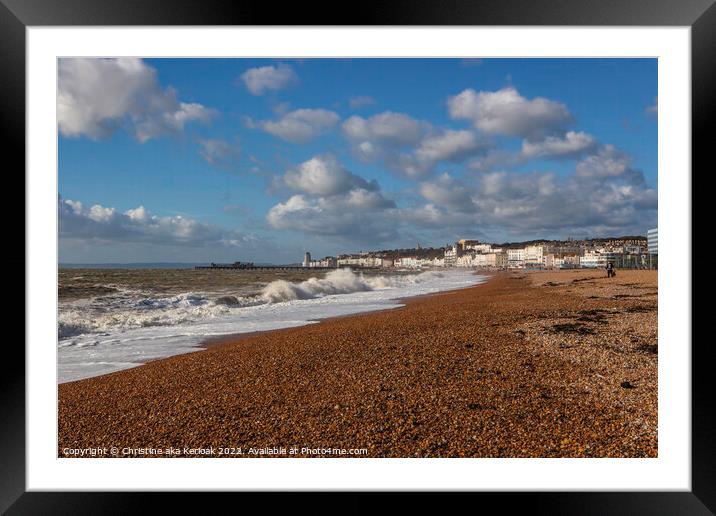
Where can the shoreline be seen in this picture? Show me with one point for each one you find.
(218, 340)
(546, 364)
(402, 302)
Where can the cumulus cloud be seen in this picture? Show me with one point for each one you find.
(333, 201)
(407, 145)
(437, 146)
(101, 223)
(448, 192)
(385, 128)
(448, 145)
(506, 112)
(96, 97)
(605, 194)
(323, 175)
(542, 203)
(268, 78)
(432, 217)
(359, 216)
(608, 162)
(299, 126)
(571, 145)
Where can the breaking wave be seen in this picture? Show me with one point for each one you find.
(340, 281)
(113, 313)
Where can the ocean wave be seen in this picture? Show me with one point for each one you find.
(340, 281)
(119, 313)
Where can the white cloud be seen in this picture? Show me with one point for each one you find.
(430, 216)
(608, 162)
(107, 224)
(323, 175)
(448, 192)
(409, 146)
(299, 126)
(268, 78)
(571, 145)
(385, 128)
(96, 97)
(539, 205)
(447, 145)
(333, 201)
(359, 216)
(603, 196)
(440, 145)
(506, 112)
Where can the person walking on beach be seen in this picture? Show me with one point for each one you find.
(610, 270)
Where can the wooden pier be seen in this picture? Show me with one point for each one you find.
(252, 267)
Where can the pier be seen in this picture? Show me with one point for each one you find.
(251, 267)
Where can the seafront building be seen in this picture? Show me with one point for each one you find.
(412, 262)
(593, 259)
(452, 253)
(627, 252)
(515, 258)
(327, 262)
(534, 256)
(652, 238)
(363, 262)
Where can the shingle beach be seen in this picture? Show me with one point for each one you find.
(528, 364)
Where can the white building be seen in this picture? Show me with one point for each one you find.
(592, 259)
(491, 260)
(328, 261)
(652, 238)
(633, 249)
(496, 260)
(365, 261)
(481, 248)
(451, 255)
(515, 258)
(412, 262)
(534, 256)
(466, 260)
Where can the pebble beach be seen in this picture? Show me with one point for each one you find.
(528, 364)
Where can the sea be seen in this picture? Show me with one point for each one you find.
(110, 319)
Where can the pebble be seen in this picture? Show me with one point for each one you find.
(443, 376)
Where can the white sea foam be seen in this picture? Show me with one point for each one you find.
(110, 333)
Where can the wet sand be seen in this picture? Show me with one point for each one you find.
(543, 364)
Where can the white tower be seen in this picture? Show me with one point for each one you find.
(307, 259)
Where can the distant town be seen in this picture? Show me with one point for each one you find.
(627, 252)
(632, 252)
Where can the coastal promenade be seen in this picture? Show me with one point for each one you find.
(528, 364)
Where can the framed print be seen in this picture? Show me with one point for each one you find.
(416, 252)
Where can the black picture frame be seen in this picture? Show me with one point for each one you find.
(17, 15)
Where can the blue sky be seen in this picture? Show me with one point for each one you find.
(258, 159)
